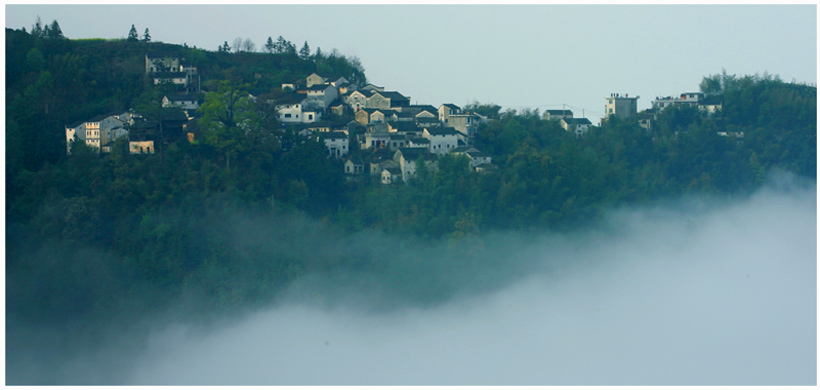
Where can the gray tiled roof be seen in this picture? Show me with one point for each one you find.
(442, 131)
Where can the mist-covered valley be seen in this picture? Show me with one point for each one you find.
(689, 291)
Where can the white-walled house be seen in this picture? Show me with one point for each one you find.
(336, 143)
(387, 100)
(98, 132)
(579, 126)
(185, 102)
(409, 158)
(291, 109)
(161, 62)
(354, 166)
(621, 106)
(478, 158)
(442, 140)
(447, 109)
(475, 156)
(357, 99)
(390, 175)
(315, 79)
(321, 95)
(466, 125)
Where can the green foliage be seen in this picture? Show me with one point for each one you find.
(132, 34)
(168, 224)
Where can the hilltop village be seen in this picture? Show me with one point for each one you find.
(373, 130)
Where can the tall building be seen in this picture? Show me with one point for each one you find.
(621, 106)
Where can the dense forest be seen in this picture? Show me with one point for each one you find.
(238, 216)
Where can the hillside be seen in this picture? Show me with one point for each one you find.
(235, 217)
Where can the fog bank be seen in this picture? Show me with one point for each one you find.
(695, 293)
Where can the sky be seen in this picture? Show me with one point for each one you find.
(692, 291)
(542, 56)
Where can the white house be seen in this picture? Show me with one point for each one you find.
(409, 158)
(291, 109)
(336, 144)
(447, 109)
(442, 140)
(579, 126)
(354, 166)
(161, 62)
(478, 158)
(176, 78)
(99, 132)
(321, 95)
(357, 100)
(390, 175)
(185, 102)
(466, 125)
(621, 106)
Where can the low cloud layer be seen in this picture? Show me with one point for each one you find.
(691, 293)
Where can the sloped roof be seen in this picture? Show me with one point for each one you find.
(577, 121)
(290, 98)
(425, 107)
(403, 126)
(452, 106)
(560, 112)
(463, 149)
(393, 95)
(334, 135)
(319, 87)
(442, 131)
(419, 140)
(366, 92)
(413, 153)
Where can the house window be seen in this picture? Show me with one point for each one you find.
(310, 116)
(287, 115)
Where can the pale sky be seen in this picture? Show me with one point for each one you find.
(537, 56)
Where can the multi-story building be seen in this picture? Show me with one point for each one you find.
(621, 106)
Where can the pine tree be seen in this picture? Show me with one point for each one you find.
(37, 29)
(146, 37)
(55, 32)
(304, 53)
(269, 45)
(132, 35)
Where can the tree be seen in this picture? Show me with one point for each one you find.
(304, 53)
(225, 48)
(248, 45)
(282, 46)
(55, 32)
(269, 45)
(146, 37)
(237, 45)
(227, 115)
(132, 35)
(37, 28)
(150, 106)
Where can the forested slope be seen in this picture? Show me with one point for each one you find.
(88, 235)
